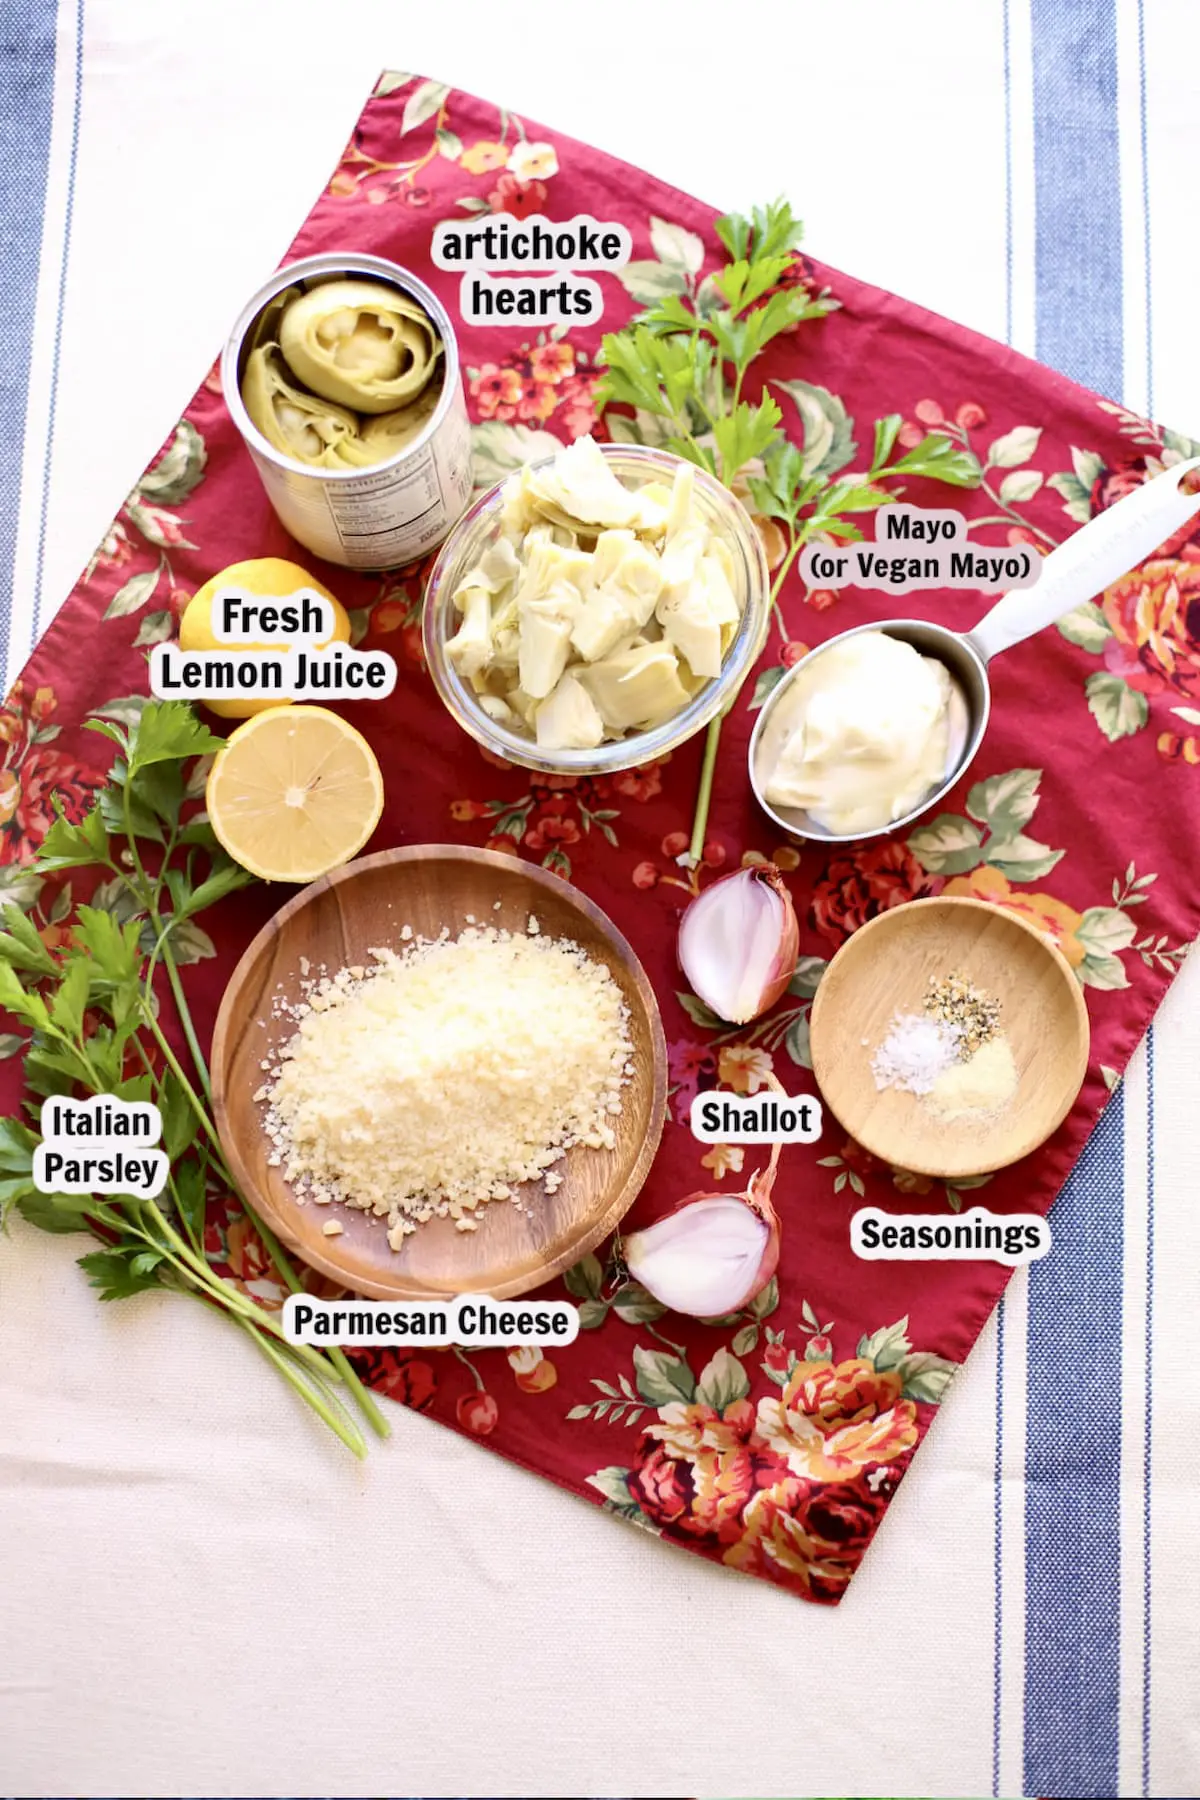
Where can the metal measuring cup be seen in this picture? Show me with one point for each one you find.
(1106, 548)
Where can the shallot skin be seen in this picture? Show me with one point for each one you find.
(757, 1202)
(721, 990)
(767, 1267)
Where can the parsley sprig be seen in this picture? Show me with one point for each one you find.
(682, 366)
(685, 360)
(94, 1010)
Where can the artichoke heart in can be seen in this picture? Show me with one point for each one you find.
(342, 376)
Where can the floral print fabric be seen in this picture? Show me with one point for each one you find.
(771, 1441)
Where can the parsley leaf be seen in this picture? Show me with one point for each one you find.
(17, 1145)
(226, 877)
(21, 945)
(70, 999)
(19, 1000)
(168, 731)
(746, 432)
(941, 459)
(112, 946)
(119, 1273)
(58, 1213)
(67, 846)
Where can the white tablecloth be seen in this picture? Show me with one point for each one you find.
(200, 1594)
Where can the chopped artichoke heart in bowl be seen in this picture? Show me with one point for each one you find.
(599, 608)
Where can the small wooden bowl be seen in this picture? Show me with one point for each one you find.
(884, 969)
(336, 921)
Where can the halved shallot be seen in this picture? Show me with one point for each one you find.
(713, 1252)
(738, 942)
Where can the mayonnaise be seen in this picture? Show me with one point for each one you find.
(864, 732)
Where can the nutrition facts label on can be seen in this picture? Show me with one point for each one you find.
(381, 518)
(399, 513)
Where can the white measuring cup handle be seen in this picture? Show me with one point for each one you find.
(1104, 549)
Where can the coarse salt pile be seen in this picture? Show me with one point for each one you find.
(443, 1076)
(916, 1050)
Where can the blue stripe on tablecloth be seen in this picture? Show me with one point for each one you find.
(26, 112)
(1072, 1475)
(1078, 190)
(1073, 1432)
(76, 109)
(998, 1555)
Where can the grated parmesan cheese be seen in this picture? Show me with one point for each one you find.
(444, 1076)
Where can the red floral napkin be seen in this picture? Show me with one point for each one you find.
(773, 1441)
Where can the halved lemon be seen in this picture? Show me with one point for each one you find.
(295, 792)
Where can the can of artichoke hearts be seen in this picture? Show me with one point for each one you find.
(364, 448)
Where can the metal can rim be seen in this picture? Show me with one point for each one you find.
(331, 263)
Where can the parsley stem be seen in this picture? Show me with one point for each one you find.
(177, 1069)
(194, 1238)
(704, 792)
(77, 1047)
(185, 1019)
(799, 539)
(337, 1360)
(150, 891)
(203, 1282)
(197, 1237)
(322, 1403)
(337, 1357)
(168, 851)
(162, 949)
(215, 1287)
(713, 740)
(131, 839)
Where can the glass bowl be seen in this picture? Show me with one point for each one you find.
(721, 511)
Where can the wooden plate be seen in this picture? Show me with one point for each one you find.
(885, 968)
(336, 921)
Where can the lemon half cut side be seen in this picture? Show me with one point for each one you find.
(295, 792)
